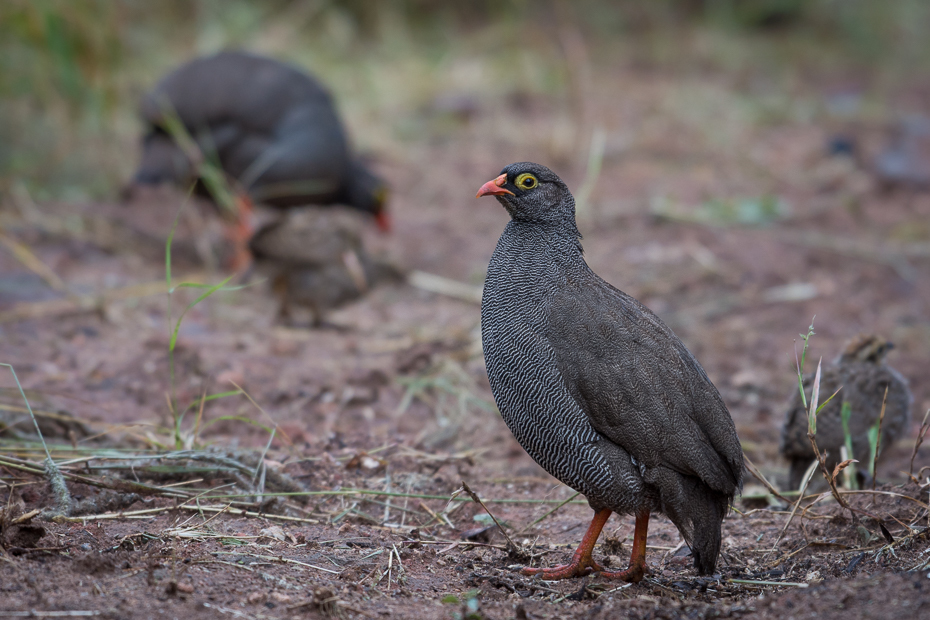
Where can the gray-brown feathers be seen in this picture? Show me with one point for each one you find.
(316, 260)
(596, 388)
(862, 373)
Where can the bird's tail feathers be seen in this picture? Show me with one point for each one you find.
(696, 510)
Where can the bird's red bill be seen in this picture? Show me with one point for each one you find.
(494, 188)
(384, 221)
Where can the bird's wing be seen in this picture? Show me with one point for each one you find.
(252, 91)
(640, 387)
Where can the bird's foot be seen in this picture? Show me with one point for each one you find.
(633, 574)
(579, 567)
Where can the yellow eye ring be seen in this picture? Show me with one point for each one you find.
(526, 181)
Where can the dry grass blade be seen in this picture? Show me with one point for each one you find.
(812, 412)
(277, 558)
(878, 439)
(30, 261)
(432, 283)
(842, 466)
(924, 426)
(477, 500)
(758, 476)
(889, 494)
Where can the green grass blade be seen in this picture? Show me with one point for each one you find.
(845, 415)
(204, 295)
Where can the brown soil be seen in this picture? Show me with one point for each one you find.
(392, 395)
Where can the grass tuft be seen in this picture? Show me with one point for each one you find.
(61, 497)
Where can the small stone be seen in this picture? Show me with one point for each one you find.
(280, 598)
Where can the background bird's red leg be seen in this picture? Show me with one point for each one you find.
(637, 568)
(239, 232)
(582, 563)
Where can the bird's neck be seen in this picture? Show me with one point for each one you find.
(550, 239)
(531, 252)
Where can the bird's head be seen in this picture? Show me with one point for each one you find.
(532, 193)
(866, 348)
(369, 193)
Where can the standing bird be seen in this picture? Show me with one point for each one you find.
(863, 375)
(595, 387)
(269, 126)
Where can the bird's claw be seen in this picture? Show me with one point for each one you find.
(578, 568)
(633, 574)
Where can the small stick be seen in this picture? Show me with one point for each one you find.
(277, 558)
(454, 543)
(890, 494)
(769, 583)
(758, 476)
(390, 567)
(924, 426)
(789, 555)
(476, 499)
(878, 439)
(444, 286)
(400, 564)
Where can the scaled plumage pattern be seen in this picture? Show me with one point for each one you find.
(595, 387)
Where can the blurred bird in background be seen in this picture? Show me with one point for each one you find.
(863, 375)
(271, 129)
(315, 260)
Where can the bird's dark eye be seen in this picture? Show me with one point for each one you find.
(526, 181)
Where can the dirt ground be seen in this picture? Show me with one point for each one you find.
(391, 398)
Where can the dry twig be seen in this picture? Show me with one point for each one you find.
(924, 426)
(758, 476)
(477, 500)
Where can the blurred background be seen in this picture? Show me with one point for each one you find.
(725, 155)
(73, 72)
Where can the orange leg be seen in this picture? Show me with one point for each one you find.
(637, 568)
(582, 563)
(239, 233)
